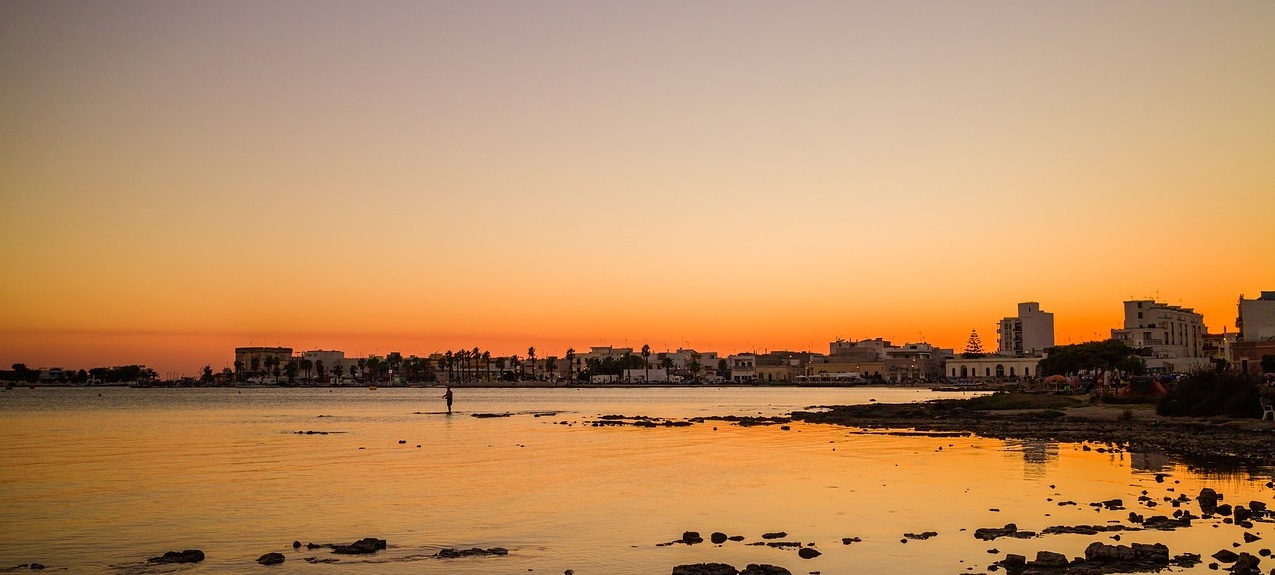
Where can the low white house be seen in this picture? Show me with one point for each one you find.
(993, 367)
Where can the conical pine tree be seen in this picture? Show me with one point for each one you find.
(974, 347)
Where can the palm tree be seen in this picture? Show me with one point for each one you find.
(551, 366)
(319, 369)
(477, 355)
(256, 364)
(238, 369)
(487, 365)
(339, 370)
(394, 363)
(531, 357)
(666, 362)
(646, 363)
(695, 366)
(571, 361)
(427, 368)
(362, 369)
(272, 366)
(306, 366)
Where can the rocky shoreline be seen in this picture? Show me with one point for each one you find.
(1213, 442)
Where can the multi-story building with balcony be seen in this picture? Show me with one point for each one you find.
(1031, 332)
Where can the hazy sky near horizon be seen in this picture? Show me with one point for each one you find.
(183, 177)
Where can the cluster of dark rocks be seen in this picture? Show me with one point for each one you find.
(725, 569)
(1215, 444)
(25, 566)
(187, 556)
(451, 553)
(918, 536)
(636, 421)
(804, 550)
(1100, 558)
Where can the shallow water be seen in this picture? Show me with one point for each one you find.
(97, 483)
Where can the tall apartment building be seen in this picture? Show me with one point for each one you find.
(1256, 319)
(1029, 333)
(1169, 331)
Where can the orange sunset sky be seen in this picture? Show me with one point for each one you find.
(180, 178)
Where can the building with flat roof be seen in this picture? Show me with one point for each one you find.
(1256, 319)
(1031, 332)
(244, 357)
(1170, 338)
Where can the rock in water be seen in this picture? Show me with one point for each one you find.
(808, 553)
(187, 556)
(717, 537)
(1246, 564)
(1208, 500)
(764, 569)
(451, 553)
(692, 537)
(1226, 556)
(705, 569)
(360, 547)
(1051, 559)
(270, 559)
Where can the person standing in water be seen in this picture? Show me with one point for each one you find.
(448, 397)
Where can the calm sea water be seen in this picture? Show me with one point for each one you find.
(97, 480)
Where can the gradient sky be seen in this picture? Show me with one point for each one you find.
(179, 178)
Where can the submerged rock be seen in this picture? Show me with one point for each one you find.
(705, 569)
(1009, 530)
(808, 553)
(360, 547)
(187, 556)
(717, 537)
(270, 559)
(691, 537)
(764, 569)
(451, 553)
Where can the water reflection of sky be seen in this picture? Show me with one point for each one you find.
(88, 482)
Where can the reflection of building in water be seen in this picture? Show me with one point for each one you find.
(1149, 461)
(1035, 453)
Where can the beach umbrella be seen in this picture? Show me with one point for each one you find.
(1055, 379)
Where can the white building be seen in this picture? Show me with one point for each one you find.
(743, 367)
(1257, 318)
(652, 375)
(1029, 333)
(1169, 331)
(993, 367)
(683, 358)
